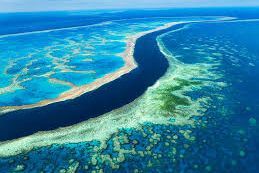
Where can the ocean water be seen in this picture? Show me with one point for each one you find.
(64, 58)
(201, 116)
(57, 60)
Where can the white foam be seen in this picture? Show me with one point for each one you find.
(98, 24)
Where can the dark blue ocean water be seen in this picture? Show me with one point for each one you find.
(226, 138)
(229, 142)
(25, 22)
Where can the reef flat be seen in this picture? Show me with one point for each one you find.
(68, 62)
(156, 105)
(102, 100)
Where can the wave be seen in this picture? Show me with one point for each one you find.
(101, 24)
(53, 30)
(238, 20)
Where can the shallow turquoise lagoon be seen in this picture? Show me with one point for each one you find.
(73, 56)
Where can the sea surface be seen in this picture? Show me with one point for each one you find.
(41, 65)
(194, 105)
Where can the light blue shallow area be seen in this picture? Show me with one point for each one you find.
(37, 89)
(72, 56)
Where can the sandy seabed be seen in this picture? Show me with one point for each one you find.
(75, 92)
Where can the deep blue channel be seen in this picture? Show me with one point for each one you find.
(152, 64)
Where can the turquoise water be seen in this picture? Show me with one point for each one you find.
(74, 56)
